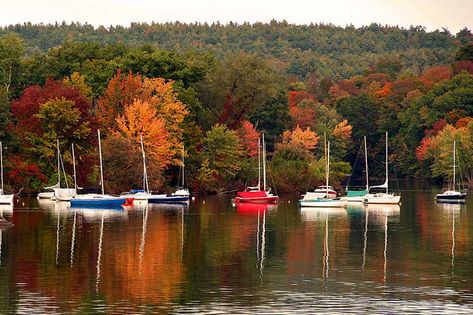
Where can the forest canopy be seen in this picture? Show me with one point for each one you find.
(211, 91)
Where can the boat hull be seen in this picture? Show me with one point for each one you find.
(450, 198)
(97, 202)
(260, 200)
(6, 199)
(382, 199)
(358, 199)
(317, 203)
(168, 199)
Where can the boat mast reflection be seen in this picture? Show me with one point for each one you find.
(365, 240)
(99, 255)
(143, 236)
(382, 213)
(326, 262)
(260, 246)
(73, 239)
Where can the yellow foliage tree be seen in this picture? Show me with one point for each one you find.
(77, 81)
(160, 94)
(305, 138)
(342, 130)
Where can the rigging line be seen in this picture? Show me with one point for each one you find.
(353, 169)
(63, 170)
(395, 176)
(272, 181)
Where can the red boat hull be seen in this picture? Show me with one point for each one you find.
(270, 199)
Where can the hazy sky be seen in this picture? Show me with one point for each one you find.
(434, 14)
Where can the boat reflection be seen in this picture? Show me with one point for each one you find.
(452, 212)
(6, 211)
(379, 212)
(53, 206)
(254, 208)
(97, 215)
(320, 214)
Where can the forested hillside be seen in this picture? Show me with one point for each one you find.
(214, 89)
(320, 49)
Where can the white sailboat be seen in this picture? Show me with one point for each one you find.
(382, 197)
(311, 200)
(359, 195)
(102, 200)
(181, 195)
(58, 193)
(451, 195)
(4, 199)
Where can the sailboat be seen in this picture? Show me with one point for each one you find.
(310, 199)
(181, 195)
(451, 195)
(58, 193)
(382, 197)
(4, 199)
(358, 195)
(102, 200)
(256, 194)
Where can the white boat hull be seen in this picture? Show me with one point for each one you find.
(6, 199)
(382, 198)
(317, 203)
(358, 199)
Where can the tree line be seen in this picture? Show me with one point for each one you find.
(215, 103)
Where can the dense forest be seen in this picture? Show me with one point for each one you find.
(213, 89)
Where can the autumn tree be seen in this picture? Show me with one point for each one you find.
(305, 138)
(249, 137)
(141, 118)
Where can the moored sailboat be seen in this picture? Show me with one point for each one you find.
(58, 193)
(4, 199)
(382, 197)
(309, 200)
(99, 201)
(358, 195)
(256, 194)
(450, 194)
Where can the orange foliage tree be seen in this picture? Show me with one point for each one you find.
(141, 118)
(155, 94)
(305, 138)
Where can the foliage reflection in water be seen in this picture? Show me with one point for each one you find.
(211, 256)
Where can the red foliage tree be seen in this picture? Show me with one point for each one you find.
(122, 89)
(27, 106)
(434, 75)
(463, 65)
(249, 138)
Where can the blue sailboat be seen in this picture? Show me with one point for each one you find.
(99, 201)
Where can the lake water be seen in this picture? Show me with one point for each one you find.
(211, 257)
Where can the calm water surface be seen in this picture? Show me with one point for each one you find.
(213, 258)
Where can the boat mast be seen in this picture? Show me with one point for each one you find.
(264, 164)
(145, 173)
(259, 164)
(1, 165)
(100, 156)
(183, 166)
(366, 166)
(454, 147)
(74, 167)
(387, 179)
(328, 167)
(58, 164)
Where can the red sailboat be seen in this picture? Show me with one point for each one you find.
(256, 194)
